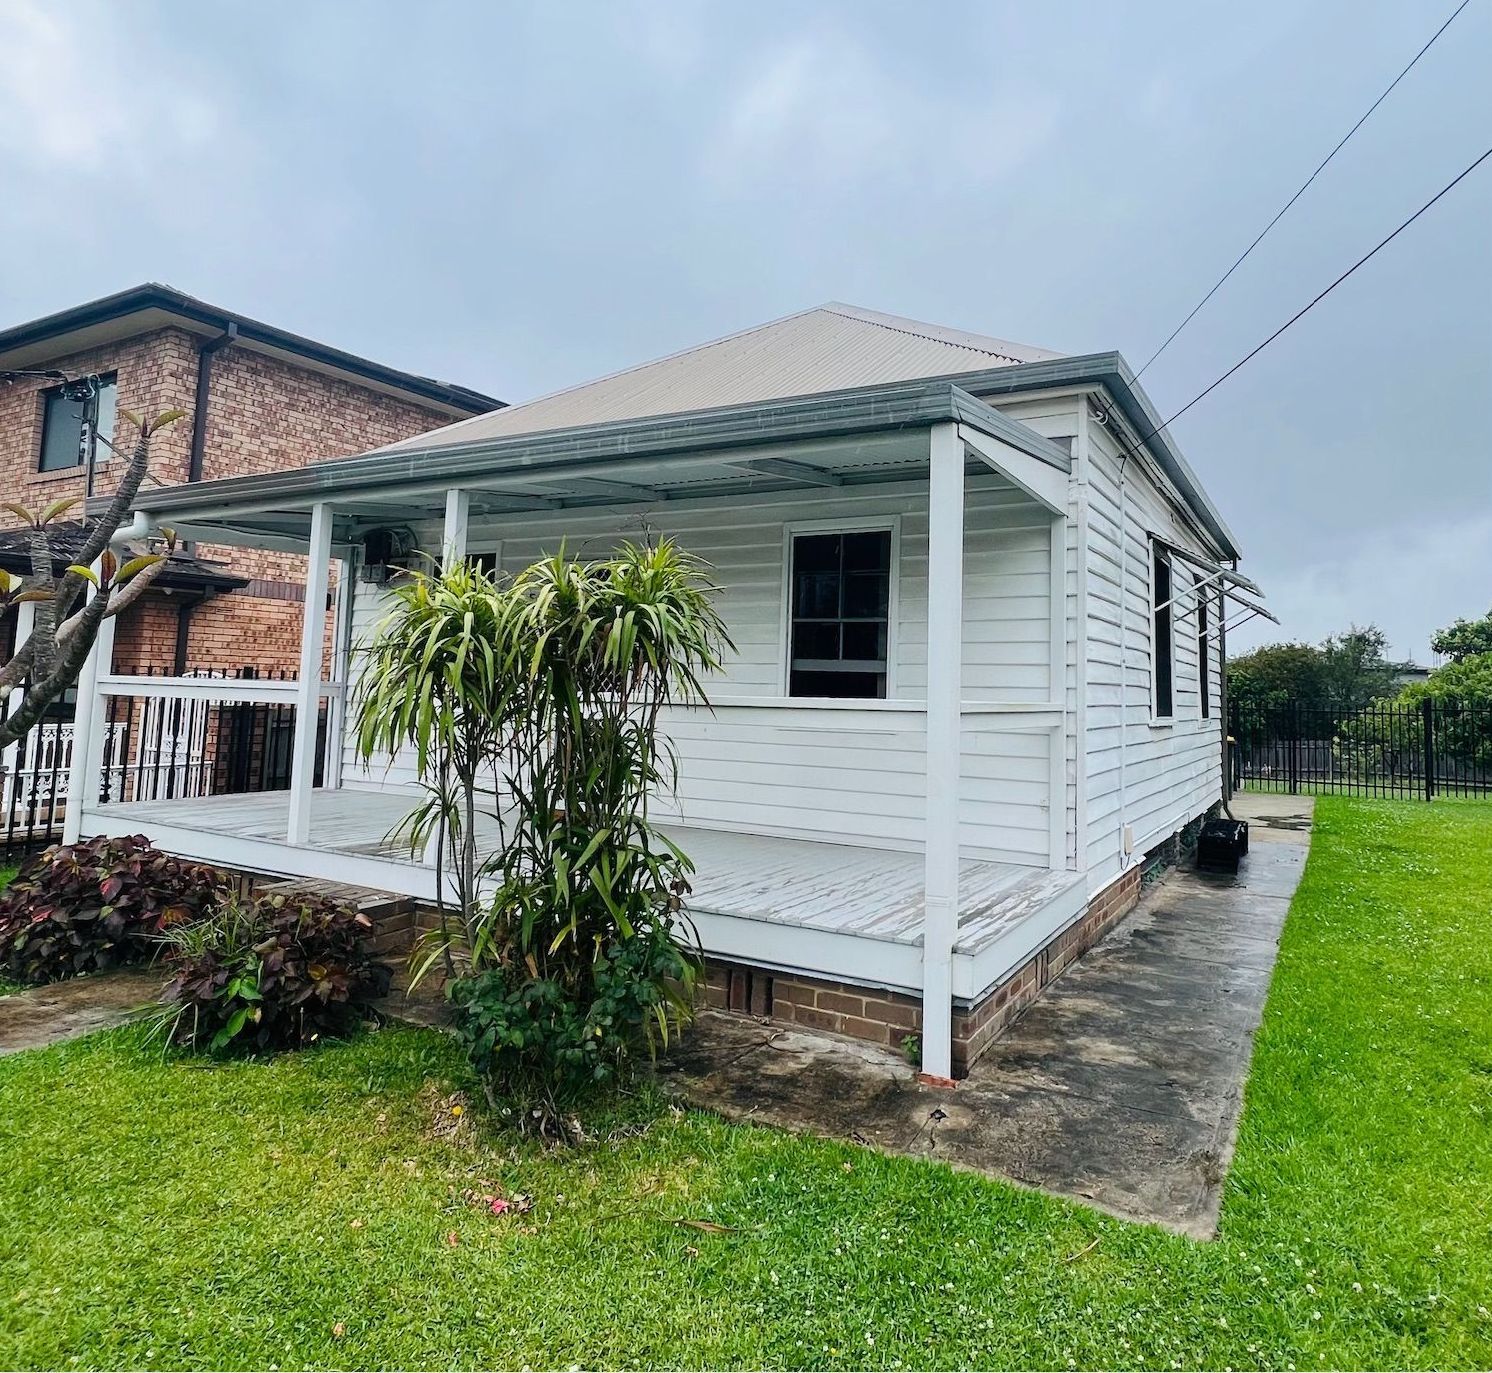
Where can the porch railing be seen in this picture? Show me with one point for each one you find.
(208, 733)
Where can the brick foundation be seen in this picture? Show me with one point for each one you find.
(875, 1015)
(887, 1018)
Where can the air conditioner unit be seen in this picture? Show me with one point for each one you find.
(386, 552)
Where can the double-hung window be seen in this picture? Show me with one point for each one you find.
(1162, 646)
(840, 614)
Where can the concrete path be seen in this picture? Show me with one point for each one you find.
(1121, 1086)
(64, 1010)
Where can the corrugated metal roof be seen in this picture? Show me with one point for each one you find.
(829, 348)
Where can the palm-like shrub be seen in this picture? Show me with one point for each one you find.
(438, 678)
(583, 955)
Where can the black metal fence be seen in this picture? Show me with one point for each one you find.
(155, 748)
(1389, 750)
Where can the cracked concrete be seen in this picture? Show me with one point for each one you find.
(1121, 1086)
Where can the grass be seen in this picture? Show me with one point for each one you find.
(6, 985)
(308, 1211)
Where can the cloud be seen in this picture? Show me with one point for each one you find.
(75, 92)
(822, 108)
(1405, 580)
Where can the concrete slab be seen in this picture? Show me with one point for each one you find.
(65, 1010)
(1120, 1087)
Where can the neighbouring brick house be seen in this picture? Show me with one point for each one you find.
(256, 399)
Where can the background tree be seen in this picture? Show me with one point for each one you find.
(1354, 670)
(1272, 677)
(1342, 674)
(1464, 638)
(71, 607)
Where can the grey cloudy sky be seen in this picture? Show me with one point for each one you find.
(517, 197)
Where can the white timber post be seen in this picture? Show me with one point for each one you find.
(308, 688)
(1057, 855)
(87, 769)
(452, 550)
(453, 536)
(945, 583)
(11, 757)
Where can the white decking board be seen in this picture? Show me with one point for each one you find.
(837, 889)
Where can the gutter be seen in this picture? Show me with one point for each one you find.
(168, 300)
(556, 454)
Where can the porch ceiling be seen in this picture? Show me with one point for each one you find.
(846, 439)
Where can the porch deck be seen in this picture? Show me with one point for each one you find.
(804, 905)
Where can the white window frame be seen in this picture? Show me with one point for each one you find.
(874, 524)
(475, 548)
(1152, 550)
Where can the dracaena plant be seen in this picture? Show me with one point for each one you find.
(436, 680)
(71, 607)
(553, 686)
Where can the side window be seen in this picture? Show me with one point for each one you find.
(72, 417)
(839, 621)
(1162, 649)
(1204, 661)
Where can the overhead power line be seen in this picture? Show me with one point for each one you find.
(1304, 186)
(1305, 309)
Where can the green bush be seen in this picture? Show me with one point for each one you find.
(554, 683)
(550, 1041)
(101, 903)
(278, 972)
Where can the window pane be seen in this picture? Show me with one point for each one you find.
(816, 595)
(815, 640)
(816, 553)
(865, 640)
(870, 686)
(867, 595)
(62, 433)
(868, 552)
(106, 410)
(1161, 647)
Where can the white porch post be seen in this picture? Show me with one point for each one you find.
(453, 536)
(308, 688)
(10, 756)
(1057, 850)
(945, 582)
(452, 550)
(87, 765)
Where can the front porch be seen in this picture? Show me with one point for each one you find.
(917, 833)
(832, 910)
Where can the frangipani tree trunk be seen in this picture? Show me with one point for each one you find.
(49, 661)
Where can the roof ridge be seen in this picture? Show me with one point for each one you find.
(938, 333)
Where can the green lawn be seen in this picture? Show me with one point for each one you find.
(309, 1211)
(6, 985)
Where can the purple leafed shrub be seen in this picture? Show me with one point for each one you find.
(276, 972)
(97, 904)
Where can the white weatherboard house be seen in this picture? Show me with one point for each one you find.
(977, 605)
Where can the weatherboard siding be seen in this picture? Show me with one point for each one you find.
(854, 775)
(1171, 771)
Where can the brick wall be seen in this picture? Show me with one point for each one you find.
(264, 414)
(886, 1018)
